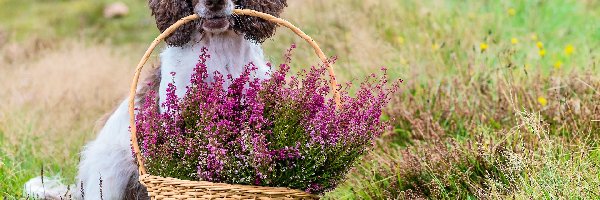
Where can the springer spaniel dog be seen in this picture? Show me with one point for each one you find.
(107, 169)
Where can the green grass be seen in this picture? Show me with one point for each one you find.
(21, 158)
(65, 19)
(469, 123)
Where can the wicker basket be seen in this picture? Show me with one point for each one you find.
(171, 188)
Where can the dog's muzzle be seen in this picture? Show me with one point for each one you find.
(215, 14)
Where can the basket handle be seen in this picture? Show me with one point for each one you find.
(172, 28)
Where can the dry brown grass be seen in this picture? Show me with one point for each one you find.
(52, 98)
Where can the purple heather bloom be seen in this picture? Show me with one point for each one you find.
(284, 131)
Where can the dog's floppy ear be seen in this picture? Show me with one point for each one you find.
(167, 12)
(254, 28)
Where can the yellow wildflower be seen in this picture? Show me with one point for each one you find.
(435, 47)
(570, 49)
(403, 61)
(472, 15)
(348, 36)
(543, 101)
(540, 45)
(558, 64)
(400, 40)
(514, 41)
(483, 46)
(534, 37)
(512, 12)
(542, 52)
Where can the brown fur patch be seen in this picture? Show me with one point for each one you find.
(254, 28)
(167, 12)
(151, 83)
(135, 190)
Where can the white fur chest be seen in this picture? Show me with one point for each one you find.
(229, 53)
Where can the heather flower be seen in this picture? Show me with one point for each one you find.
(281, 132)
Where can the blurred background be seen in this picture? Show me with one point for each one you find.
(500, 98)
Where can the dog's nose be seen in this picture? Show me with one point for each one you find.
(215, 5)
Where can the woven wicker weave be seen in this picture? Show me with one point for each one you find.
(172, 188)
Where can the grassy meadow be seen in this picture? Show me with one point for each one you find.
(500, 99)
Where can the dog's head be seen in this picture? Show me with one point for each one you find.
(216, 16)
